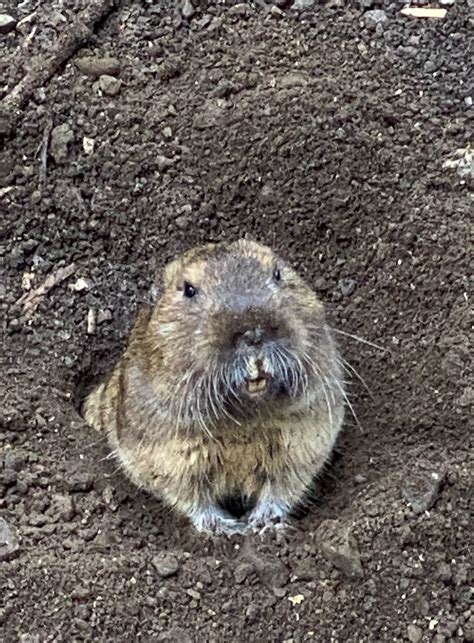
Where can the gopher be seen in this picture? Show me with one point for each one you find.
(230, 387)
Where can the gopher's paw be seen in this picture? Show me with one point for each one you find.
(268, 515)
(215, 522)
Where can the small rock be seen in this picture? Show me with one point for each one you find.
(15, 460)
(166, 565)
(175, 635)
(182, 222)
(430, 66)
(347, 286)
(80, 285)
(421, 486)
(320, 283)
(163, 162)
(208, 116)
(414, 633)
(62, 508)
(61, 137)
(469, 629)
(438, 638)
(463, 162)
(239, 9)
(242, 572)
(109, 85)
(8, 477)
(224, 88)
(103, 316)
(9, 543)
(468, 101)
(279, 591)
(88, 145)
(204, 21)
(337, 546)
(7, 23)
(95, 67)
(271, 571)
(299, 5)
(409, 52)
(293, 79)
(187, 9)
(359, 478)
(79, 481)
(444, 573)
(375, 17)
(303, 573)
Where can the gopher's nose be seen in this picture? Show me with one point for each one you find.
(256, 335)
(253, 336)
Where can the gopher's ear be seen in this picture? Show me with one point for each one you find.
(162, 277)
(170, 272)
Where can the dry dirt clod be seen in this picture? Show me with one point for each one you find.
(163, 162)
(61, 137)
(95, 67)
(79, 481)
(414, 633)
(166, 565)
(187, 9)
(175, 635)
(62, 508)
(242, 572)
(347, 286)
(338, 547)
(374, 18)
(9, 543)
(300, 5)
(422, 485)
(109, 85)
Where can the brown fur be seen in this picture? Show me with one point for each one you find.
(274, 453)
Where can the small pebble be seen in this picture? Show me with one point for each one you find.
(242, 572)
(163, 162)
(299, 5)
(61, 137)
(337, 546)
(92, 66)
(375, 17)
(109, 85)
(421, 487)
(7, 23)
(414, 633)
(166, 565)
(187, 9)
(9, 543)
(347, 286)
(79, 481)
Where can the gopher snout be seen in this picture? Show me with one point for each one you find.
(256, 335)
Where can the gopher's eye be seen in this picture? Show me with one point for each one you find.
(189, 290)
(277, 275)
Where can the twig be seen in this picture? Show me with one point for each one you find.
(43, 152)
(91, 321)
(359, 339)
(31, 300)
(44, 67)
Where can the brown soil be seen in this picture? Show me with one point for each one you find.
(319, 133)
